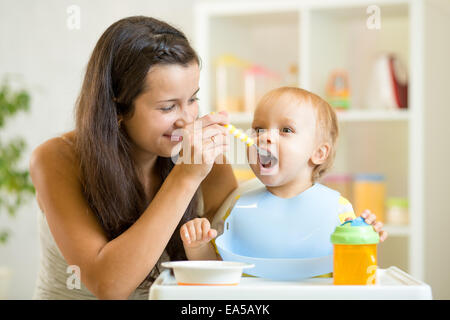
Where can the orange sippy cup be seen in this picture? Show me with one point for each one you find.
(355, 253)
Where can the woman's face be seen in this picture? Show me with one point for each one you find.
(168, 103)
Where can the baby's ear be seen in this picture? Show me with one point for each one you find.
(321, 153)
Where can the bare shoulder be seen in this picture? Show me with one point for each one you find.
(55, 155)
(52, 163)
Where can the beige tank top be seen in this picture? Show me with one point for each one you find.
(55, 277)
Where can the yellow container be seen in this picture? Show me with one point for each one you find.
(341, 183)
(355, 253)
(369, 192)
(355, 264)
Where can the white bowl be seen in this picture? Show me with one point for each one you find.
(211, 272)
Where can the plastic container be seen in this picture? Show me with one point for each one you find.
(341, 183)
(397, 211)
(369, 192)
(355, 253)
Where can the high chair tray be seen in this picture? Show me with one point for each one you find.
(392, 283)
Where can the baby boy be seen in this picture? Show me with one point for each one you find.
(299, 130)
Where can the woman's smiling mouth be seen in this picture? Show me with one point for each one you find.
(174, 138)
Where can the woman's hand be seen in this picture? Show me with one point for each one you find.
(196, 233)
(371, 219)
(207, 140)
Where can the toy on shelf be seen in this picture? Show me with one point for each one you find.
(230, 83)
(240, 84)
(388, 86)
(257, 81)
(369, 192)
(397, 211)
(338, 90)
(341, 183)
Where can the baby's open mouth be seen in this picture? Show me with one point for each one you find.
(266, 158)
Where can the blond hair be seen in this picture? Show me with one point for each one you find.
(326, 121)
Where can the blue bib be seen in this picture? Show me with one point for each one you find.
(286, 239)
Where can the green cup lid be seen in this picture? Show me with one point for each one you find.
(355, 231)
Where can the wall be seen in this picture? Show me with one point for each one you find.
(437, 152)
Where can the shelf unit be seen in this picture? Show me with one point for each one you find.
(344, 116)
(320, 36)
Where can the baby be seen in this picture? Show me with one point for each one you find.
(299, 130)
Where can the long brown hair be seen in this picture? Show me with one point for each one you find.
(114, 77)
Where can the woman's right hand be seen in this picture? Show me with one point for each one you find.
(207, 140)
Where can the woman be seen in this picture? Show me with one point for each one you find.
(112, 200)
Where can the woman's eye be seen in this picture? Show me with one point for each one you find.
(286, 130)
(193, 100)
(168, 108)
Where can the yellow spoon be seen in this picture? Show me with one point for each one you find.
(238, 133)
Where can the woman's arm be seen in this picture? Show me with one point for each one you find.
(109, 269)
(216, 187)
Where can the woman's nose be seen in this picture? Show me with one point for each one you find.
(184, 118)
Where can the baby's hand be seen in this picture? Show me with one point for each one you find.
(196, 233)
(370, 218)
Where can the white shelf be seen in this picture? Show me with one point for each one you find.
(373, 115)
(241, 118)
(394, 230)
(343, 116)
(321, 36)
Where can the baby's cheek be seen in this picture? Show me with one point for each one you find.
(287, 153)
(292, 158)
(254, 167)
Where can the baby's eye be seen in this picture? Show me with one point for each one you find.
(259, 130)
(286, 130)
